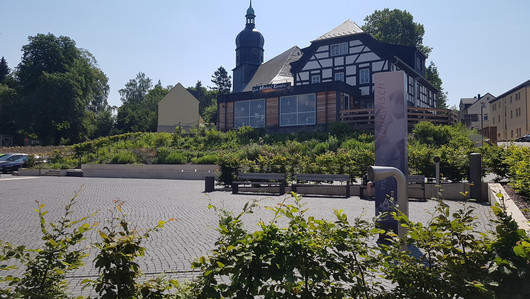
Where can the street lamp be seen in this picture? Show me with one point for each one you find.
(482, 105)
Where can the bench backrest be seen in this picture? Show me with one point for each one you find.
(322, 177)
(261, 176)
(416, 179)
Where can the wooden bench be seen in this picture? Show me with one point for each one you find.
(417, 181)
(303, 179)
(269, 179)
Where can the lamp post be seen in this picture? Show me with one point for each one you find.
(482, 105)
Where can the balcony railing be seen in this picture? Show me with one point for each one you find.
(366, 117)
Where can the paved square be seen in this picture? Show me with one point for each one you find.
(147, 201)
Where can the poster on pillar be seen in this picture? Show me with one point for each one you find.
(391, 146)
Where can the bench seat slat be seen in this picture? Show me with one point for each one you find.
(313, 177)
(270, 179)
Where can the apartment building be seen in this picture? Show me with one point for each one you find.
(510, 111)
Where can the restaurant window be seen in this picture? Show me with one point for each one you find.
(298, 110)
(249, 113)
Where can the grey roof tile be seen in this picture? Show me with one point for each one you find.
(276, 70)
(347, 28)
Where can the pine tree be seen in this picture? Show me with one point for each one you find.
(4, 69)
(221, 80)
(432, 75)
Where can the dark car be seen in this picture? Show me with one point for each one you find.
(13, 162)
(525, 138)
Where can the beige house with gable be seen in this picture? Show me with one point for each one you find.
(510, 112)
(179, 108)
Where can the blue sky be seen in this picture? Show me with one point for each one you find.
(478, 46)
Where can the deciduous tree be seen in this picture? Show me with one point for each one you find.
(139, 112)
(62, 89)
(396, 27)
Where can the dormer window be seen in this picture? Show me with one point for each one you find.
(339, 49)
(419, 63)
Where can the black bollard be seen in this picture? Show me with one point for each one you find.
(475, 176)
(209, 184)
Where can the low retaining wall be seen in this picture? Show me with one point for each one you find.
(142, 171)
(511, 208)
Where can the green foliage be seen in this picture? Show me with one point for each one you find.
(433, 77)
(167, 156)
(396, 27)
(139, 111)
(229, 164)
(254, 150)
(222, 82)
(518, 161)
(494, 161)
(452, 259)
(161, 287)
(206, 98)
(45, 268)
(124, 157)
(10, 110)
(209, 114)
(206, 159)
(309, 258)
(438, 135)
(61, 89)
(451, 143)
(509, 270)
(4, 69)
(119, 247)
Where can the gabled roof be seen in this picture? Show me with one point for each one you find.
(347, 28)
(276, 70)
(179, 92)
(403, 56)
(522, 85)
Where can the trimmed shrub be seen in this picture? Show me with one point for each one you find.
(206, 159)
(167, 156)
(123, 157)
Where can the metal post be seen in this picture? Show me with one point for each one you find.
(376, 173)
(437, 163)
(482, 123)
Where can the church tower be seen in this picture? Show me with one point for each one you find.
(249, 52)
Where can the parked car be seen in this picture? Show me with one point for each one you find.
(13, 162)
(6, 156)
(525, 138)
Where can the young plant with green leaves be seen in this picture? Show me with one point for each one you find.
(46, 267)
(309, 258)
(119, 247)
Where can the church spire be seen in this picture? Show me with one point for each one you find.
(249, 52)
(250, 16)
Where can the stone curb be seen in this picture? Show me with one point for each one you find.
(511, 207)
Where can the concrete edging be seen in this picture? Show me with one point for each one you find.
(511, 207)
(152, 171)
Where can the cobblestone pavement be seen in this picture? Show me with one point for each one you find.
(173, 248)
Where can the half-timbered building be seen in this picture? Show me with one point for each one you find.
(329, 81)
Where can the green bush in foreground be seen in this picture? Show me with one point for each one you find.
(304, 258)
(46, 267)
(120, 245)
(312, 258)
